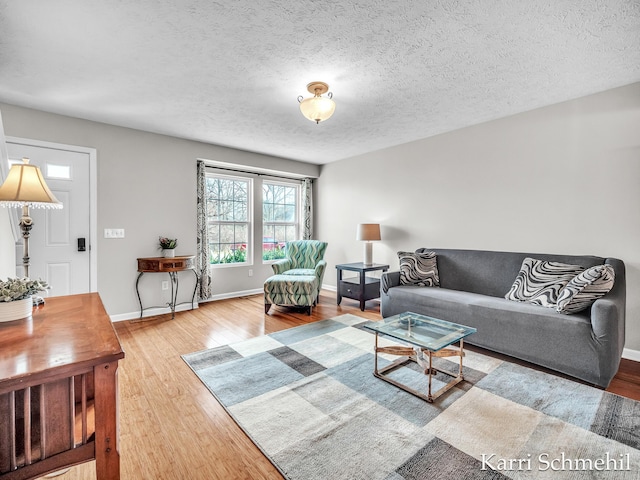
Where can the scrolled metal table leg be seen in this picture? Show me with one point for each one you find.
(174, 293)
(138, 293)
(195, 288)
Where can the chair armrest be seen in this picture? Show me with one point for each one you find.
(388, 280)
(281, 266)
(320, 268)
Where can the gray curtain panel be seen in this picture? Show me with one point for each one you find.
(307, 209)
(202, 258)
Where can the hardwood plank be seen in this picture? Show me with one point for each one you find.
(627, 380)
(171, 427)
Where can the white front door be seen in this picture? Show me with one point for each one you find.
(60, 241)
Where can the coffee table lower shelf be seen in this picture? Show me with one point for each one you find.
(407, 354)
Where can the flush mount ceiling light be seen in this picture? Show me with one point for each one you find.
(317, 108)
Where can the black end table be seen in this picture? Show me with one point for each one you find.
(363, 288)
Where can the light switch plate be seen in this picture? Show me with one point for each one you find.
(114, 233)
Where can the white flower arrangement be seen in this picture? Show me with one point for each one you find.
(20, 288)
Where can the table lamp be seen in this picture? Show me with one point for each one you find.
(368, 232)
(25, 187)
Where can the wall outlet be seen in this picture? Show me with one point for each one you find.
(250, 273)
(165, 285)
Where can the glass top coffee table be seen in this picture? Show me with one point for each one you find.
(430, 338)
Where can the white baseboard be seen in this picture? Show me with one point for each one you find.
(164, 310)
(631, 354)
(243, 293)
(150, 312)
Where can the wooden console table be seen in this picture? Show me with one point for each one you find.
(58, 390)
(170, 265)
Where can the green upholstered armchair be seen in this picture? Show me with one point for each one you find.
(303, 257)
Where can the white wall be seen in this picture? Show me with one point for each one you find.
(560, 179)
(146, 185)
(7, 241)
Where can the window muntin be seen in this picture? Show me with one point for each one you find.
(280, 217)
(229, 214)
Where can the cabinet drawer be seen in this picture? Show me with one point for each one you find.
(349, 289)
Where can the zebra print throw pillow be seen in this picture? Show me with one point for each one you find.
(419, 269)
(539, 282)
(586, 288)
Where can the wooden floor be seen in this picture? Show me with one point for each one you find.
(171, 427)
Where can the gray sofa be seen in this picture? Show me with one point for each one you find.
(586, 345)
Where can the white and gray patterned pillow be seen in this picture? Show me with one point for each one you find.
(586, 288)
(419, 269)
(539, 282)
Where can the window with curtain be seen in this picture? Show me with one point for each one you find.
(280, 217)
(229, 219)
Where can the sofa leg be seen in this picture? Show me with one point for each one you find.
(309, 310)
(267, 306)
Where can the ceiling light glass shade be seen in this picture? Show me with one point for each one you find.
(317, 109)
(25, 186)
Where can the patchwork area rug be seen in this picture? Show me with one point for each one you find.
(308, 398)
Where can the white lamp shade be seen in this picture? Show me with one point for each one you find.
(317, 109)
(25, 185)
(368, 232)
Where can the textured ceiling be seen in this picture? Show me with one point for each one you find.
(228, 72)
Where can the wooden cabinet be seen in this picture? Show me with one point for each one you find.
(58, 390)
(362, 287)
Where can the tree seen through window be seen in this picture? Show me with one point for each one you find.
(228, 202)
(280, 207)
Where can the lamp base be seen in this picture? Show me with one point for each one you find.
(26, 224)
(368, 254)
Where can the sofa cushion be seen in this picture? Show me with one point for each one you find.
(419, 269)
(519, 329)
(539, 282)
(585, 288)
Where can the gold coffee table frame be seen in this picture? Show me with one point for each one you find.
(409, 355)
(432, 337)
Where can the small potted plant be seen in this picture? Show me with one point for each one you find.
(15, 297)
(168, 245)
